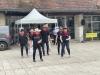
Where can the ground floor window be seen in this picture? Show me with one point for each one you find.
(92, 25)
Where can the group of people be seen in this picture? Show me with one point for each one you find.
(39, 38)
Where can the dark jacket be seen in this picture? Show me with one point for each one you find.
(23, 39)
(64, 37)
(35, 40)
(44, 36)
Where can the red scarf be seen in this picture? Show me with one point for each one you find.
(60, 31)
(65, 33)
(36, 34)
(44, 30)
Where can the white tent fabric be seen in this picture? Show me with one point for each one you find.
(34, 17)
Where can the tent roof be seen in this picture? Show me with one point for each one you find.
(35, 17)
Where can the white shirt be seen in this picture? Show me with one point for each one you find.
(55, 31)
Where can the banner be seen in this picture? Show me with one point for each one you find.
(91, 35)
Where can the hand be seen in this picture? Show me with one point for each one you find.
(67, 39)
(39, 42)
(18, 44)
(56, 41)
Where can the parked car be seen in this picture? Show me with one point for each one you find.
(5, 38)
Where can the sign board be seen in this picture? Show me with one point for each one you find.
(91, 35)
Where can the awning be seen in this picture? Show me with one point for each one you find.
(34, 17)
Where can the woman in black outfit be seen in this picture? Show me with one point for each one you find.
(58, 39)
(65, 37)
(37, 40)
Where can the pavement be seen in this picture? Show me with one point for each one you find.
(84, 60)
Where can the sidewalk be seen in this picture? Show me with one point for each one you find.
(84, 60)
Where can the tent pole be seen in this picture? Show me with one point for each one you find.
(57, 24)
(17, 33)
(29, 26)
(21, 25)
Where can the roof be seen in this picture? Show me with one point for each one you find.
(47, 4)
(8, 4)
(66, 4)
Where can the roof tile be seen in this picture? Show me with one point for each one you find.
(47, 4)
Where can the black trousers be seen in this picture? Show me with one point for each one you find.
(47, 44)
(34, 51)
(58, 42)
(63, 46)
(54, 36)
(22, 46)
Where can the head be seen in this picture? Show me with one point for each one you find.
(44, 28)
(60, 29)
(65, 30)
(22, 32)
(31, 31)
(37, 31)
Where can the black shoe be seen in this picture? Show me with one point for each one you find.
(69, 56)
(22, 56)
(61, 56)
(41, 59)
(64, 52)
(48, 54)
(34, 60)
(43, 54)
(58, 53)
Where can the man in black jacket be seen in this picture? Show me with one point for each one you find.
(23, 41)
(45, 38)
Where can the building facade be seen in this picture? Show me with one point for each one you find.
(69, 13)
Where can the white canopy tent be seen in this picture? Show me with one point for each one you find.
(34, 17)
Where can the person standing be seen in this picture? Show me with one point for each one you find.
(45, 38)
(30, 41)
(65, 37)
(37, 40)
(23, 41)
(58, 39)
(55, 31)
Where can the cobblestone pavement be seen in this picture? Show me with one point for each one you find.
(84, 60)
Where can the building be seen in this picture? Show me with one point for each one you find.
(69, 13)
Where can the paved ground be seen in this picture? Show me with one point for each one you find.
(85, 60)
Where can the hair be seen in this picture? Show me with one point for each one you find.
(66, 28)
(22, 30)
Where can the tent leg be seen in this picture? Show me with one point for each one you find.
(29, 26)
(17, 33)
(21, 25)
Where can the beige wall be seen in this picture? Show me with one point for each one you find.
(2, 19)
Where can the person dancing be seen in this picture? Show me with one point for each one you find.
(58, 39)
(37, 40)
(65, 37)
